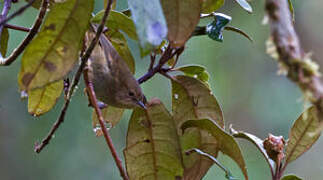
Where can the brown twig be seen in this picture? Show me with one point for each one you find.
(292, 56)
(291, 53)
(76, 80)
(167, 55)
(94, 103)
(33, 31)
(18, 12)
(15, 27)
(152, 61)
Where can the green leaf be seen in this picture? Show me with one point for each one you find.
(291, 177)
(4, 42)
(291, 9)
(120, 44)
(245, 5)
(118, 21)
(210, 6)
(54, 51)
(182, 17)
(226, 142)
(152, 147)
(228, 174)
(150, 22)
(192, 99)
(303, 134)
(257, 142)
(111, 115)
(195, 71)
(215, 28)
(42, 100)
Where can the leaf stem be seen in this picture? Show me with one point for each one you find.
(76, 80)
(278, 170)
(15, 27)
(152, 61)
(107, 137)
(32, 32)
(227, 172)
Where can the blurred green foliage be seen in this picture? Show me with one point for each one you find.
(245, 81)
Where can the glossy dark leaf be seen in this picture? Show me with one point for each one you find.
(150, 22)
(215, 28)
(54, 51)
(226, 142)
(195, 71)
(303, 134)
(152, 147)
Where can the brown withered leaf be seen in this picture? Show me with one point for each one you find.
(182, 18)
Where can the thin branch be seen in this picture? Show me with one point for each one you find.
(76, 80)
(18, 12)
(4, 13)
(15, 27)
(292, 56)
(278, 171)
(164, 73)
(163, 59)
(152, 61)
(177, 53)
(199, 31)
(33, 31)
(290, 51)
(167, 55)
(94, 103)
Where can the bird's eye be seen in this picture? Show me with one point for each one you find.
(131, 93)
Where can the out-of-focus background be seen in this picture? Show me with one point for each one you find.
(244, 79)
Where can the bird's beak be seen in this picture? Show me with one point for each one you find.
(141, 104)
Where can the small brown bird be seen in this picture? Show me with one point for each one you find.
(112, 80)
